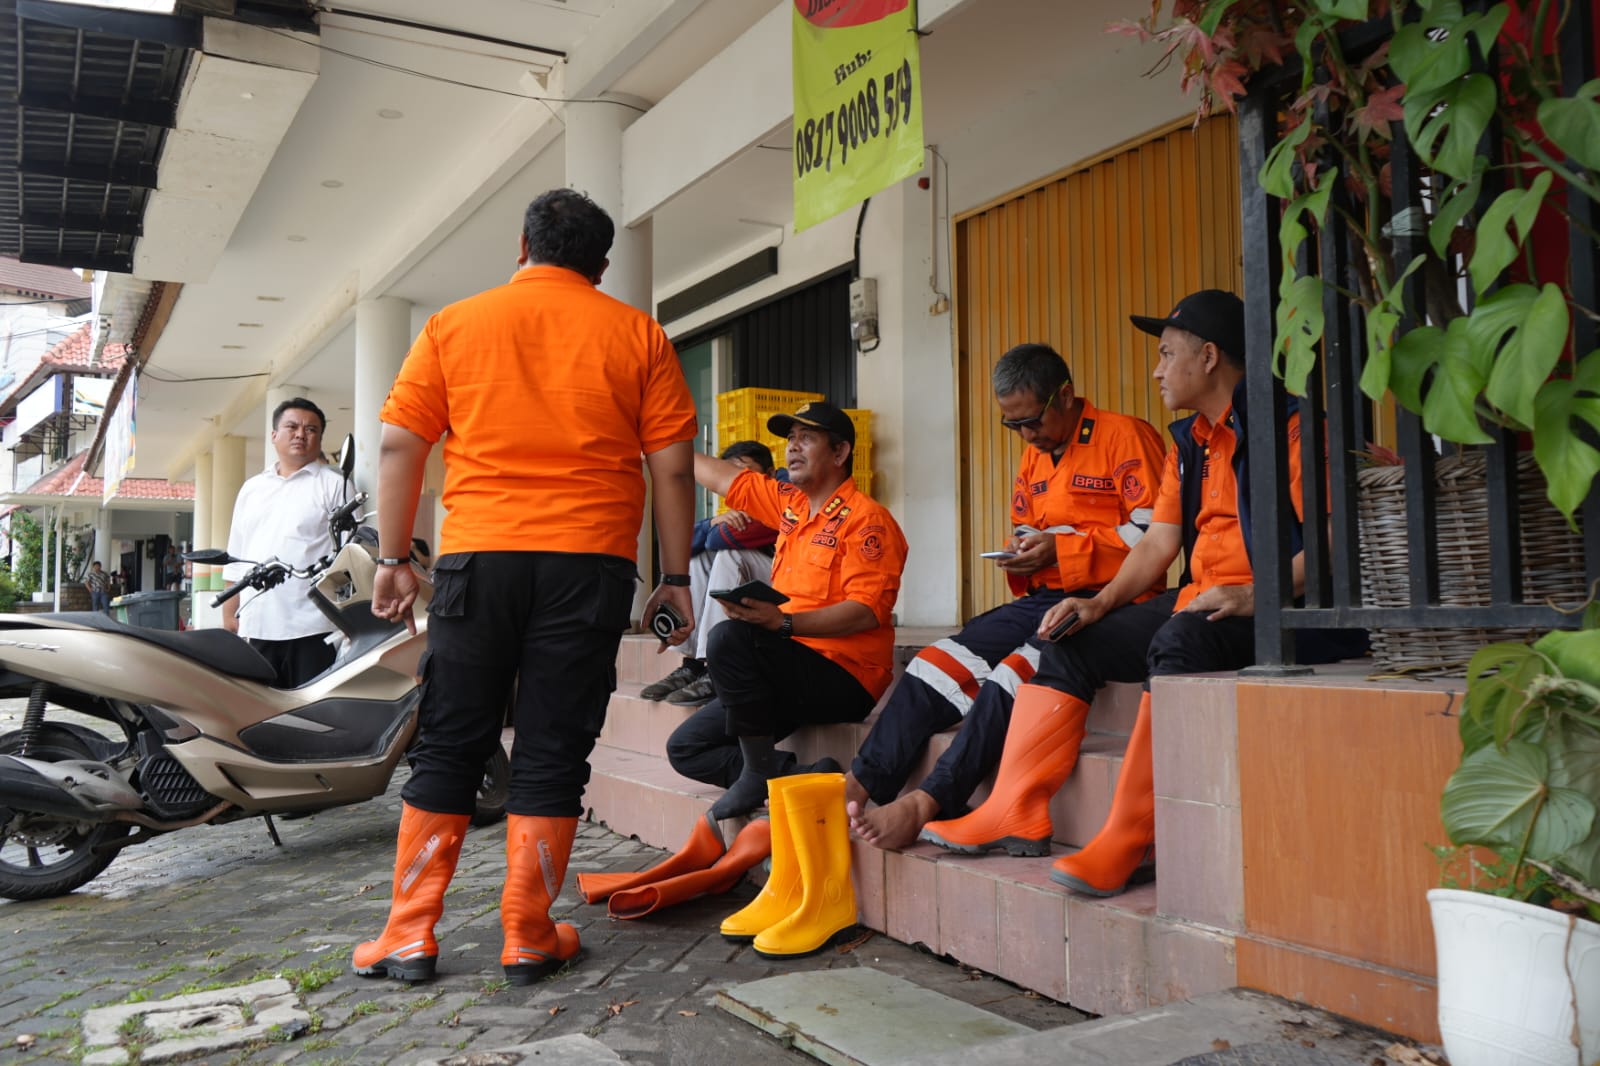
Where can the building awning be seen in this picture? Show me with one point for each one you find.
(70, 485)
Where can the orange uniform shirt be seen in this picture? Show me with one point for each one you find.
(850, 550)
(551, 391)
(1219, 556)
(1103, 486)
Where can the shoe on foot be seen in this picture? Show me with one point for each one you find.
(694, 693)
(660, 690)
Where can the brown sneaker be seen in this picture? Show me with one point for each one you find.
(660, 690)
(694, 693)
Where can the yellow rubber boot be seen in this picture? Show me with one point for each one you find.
(1041, 749)
(1107, 863)
(820, 837)
(425, 859)
(781, 894)
(537, 850)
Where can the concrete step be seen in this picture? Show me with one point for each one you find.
(999, 914)
(638, 660)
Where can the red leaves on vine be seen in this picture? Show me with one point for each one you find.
(1381, 108)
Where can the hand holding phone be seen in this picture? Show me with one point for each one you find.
(998, 555)
(1061, 627)
(750, 590)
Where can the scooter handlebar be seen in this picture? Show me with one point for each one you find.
(229, 593)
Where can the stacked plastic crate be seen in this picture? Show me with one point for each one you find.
(742, 415)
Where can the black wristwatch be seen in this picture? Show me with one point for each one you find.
(787, 629)
(679, 580)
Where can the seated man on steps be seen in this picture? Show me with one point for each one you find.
(827, 654)
(1087, 481)
(1202, 510)
(728, 550)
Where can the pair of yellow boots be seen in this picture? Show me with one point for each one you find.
(808, 902)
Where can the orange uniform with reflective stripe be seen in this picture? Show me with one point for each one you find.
(1107, 472)
(1219, 556)
(551, 391)
(850, 550)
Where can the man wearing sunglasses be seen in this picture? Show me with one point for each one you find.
(1081, 500)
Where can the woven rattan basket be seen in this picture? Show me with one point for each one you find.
(1552, 560)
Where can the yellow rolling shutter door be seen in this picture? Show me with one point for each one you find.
(1064, 263)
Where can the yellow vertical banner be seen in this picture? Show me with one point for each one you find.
(857, 102)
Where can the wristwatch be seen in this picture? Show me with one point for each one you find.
(787, 628)
(680, 580)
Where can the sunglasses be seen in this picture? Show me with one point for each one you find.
(1017, 425)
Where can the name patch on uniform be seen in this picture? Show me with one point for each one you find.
(1039, 488)
(1093, 484)
(826, 540)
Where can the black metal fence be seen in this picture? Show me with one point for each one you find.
(1337, 419)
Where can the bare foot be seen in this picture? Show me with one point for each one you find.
(854, 792)
(894, 826)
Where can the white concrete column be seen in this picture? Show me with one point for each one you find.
(594, 168)
(200, 611)
(56, 521)
(276, 394)
(46, 535)
(383, 336)
(227, 477)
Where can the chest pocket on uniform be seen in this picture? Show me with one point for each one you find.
(1090, 508)
(812, 572)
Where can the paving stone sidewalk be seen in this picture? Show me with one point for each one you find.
(221, 906)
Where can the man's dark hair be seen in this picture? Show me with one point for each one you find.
(750, 449)
(565, 228)
(299, 403)
(1035, 367)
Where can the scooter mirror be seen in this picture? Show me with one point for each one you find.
(210, 557)
(347, 455)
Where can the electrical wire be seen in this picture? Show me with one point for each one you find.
(396, 68)
(147, 374)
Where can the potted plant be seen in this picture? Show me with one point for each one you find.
(1519, 947)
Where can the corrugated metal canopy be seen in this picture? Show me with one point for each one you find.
(93, 92)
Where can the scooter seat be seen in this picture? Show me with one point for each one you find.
(216, 648)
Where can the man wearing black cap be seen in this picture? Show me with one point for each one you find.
(825, 655)
(1205, 625)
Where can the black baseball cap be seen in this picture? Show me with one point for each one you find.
(1213, 315)
(819, 414)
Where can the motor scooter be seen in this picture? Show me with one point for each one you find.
(196, 734)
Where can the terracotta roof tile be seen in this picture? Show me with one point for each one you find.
(59, 483)
(35, 280)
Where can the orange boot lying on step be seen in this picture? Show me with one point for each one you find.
(703, 848)
(753, 844)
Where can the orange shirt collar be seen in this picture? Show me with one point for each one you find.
(549, 272)
(1203, 427)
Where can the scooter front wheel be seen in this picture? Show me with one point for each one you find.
(44, 855)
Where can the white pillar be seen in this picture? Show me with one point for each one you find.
(57, 523)
(276, 394)
(199, 574)
(227, 477)
(383, 336)
(44, 553)
(594, 168)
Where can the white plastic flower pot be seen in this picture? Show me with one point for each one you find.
(1505, 994)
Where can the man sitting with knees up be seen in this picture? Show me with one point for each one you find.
(827, 654)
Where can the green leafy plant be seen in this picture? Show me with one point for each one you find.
(1528, 786)
(1494, 345)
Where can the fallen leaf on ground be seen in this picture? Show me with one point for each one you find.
(365, 888)
(1220, 1044)
(689, 1013)
(1031, 994)
(556, 1010)
(1409, 1056)
(851, 945)
(617, 1008)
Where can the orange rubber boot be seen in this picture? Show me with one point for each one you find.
(1041, 749)
(820, 837)
(781, 894)
(753, 844)
(537, 850)
(1107, 863)
(703, 848)
(425, 859)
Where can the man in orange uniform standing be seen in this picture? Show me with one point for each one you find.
(550, 392)
(1083, 498)
(827, 655)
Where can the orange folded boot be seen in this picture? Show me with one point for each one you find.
(1108, 862)
(703, 848)
(425, 859)
(1041, 749)
(753, 844)
(537, 850)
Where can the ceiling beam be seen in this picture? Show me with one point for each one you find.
(139, 112)
(85, 222)
(133, 175)
(113, 262)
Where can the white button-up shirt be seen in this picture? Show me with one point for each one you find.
(286, 517)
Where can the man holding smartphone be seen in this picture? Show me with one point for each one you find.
(824, 655)
(1081, 500)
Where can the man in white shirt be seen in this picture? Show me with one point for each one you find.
(283, 512)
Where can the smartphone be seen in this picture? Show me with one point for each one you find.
(1061, 628)
(750, 590)
(998, 555)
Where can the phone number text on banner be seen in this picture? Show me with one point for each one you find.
(857, 103)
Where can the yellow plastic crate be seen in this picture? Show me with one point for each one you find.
(757, 405)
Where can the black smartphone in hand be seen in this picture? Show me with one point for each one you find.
(750, 590)
(1061, 628)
